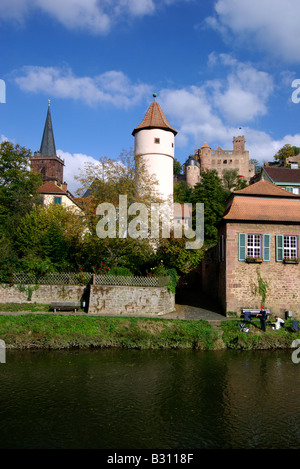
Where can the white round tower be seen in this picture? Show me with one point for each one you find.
(154, 141)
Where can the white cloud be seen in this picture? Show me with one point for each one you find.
(74, 164)
(243, 94)
(112, 87)
(273, 25)
(87, 14)
(95, 16)
(214, 111)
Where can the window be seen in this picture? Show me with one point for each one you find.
(57, 200)
(157, 140)
(286, 247)
(290, 247)
(255, 246)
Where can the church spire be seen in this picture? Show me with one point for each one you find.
(48, 144)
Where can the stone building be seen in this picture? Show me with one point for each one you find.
(45, 161)
(219, 159)
(259, 242)
(205, 158)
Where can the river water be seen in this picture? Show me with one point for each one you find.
(130, 399)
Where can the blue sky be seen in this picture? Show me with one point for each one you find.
(220, 69)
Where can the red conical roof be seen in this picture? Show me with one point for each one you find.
(154, 119)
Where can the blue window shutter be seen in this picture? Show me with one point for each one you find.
(242, 246)
(266, 247)
(279, 248)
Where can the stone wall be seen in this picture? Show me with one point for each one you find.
(102, 299)
(43, 294)
(115, 300)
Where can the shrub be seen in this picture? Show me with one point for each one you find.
(120, 271)
(173, 279)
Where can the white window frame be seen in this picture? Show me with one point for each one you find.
(290, 247)
(254, 245)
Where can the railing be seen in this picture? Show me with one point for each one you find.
(131, 281)
(85, 278)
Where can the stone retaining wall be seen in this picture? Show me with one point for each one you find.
(102, 299)
(141, 301)
(43, 294)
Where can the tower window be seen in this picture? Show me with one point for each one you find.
(157, 140)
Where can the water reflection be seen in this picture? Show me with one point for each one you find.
(128, 399)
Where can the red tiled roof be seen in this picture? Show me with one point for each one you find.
(263, 201)
(264, 209)
(50, 188)
(154, 119)
(265, 188)
(278, 174)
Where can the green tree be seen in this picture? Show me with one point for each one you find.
(49, 239)
(232, 180)
(212, 193)
(283, 153)
(296, 150)
(182, 192)
(177, 168)
(173, 253)
(18, 185)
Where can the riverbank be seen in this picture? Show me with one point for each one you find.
(58, 331)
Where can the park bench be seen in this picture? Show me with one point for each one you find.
(59, 306)
(253, 312)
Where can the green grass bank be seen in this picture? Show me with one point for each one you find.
(54, 331)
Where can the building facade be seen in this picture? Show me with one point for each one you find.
(286, 178)
(259, 248)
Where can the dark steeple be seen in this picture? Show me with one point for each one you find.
(46, 160)
(48, 144)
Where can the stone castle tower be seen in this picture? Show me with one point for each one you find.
(219, 159)
(154, 141)
(45, 161)
(191, 171)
